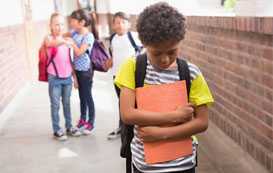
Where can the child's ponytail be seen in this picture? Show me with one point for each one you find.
(94, 28)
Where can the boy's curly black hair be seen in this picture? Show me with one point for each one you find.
(160, 22)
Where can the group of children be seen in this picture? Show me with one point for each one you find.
(71, 61)
(161, 29)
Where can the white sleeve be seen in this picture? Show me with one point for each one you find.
(136, 39)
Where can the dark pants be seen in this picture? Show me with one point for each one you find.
(128, 159)
(186, 171)
(86, 100)
(129, 164)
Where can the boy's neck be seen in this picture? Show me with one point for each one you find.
(122, 33)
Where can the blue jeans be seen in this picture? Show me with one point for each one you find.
(86, 99)
(60, 88)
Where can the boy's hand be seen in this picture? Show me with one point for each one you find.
(185, 113)
(150, 134)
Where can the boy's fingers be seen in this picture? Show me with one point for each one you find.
(189, 110)
(190, 105)
(186, 106)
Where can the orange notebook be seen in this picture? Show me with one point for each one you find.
(164, 98)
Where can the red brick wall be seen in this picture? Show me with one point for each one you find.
(236, 57)
(14, 69)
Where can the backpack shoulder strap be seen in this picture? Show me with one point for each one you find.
(132, 41)
(127, 131)
(184, 73)
(110, 43)
(51, 60)
(111, 38)
(141, 65)
(70, 53)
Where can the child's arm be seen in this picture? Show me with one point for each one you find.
(79, 50)
(50, 42)
(67, 34)
(85, 43)
(131, 115)
(74, 76)
(75, 80)
(196, 125)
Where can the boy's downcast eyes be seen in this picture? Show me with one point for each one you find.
(169, 53)
(172, 52)
(156, 53)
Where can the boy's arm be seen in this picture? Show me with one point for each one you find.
(198, 124)
(131, 115)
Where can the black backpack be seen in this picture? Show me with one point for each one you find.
(137, 48)
(127, 132)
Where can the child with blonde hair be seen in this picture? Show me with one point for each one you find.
(60, 70)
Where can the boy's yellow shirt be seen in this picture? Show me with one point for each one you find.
(199, 93)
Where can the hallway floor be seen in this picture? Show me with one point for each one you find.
(27, 145)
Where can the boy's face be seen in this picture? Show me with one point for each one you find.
(163, 55)
(120, 25)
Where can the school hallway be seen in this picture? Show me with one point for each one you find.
(27, 145)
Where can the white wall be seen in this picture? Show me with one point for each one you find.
(11, 13)
(69, 6)
(131, 7)
(42, 9)
(103, 6)
(254, 8)
(187, 7)
(264, 8)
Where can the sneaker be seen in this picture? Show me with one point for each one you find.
(114, 134)
(81, 124)
(59, 135)
(73, 132)
(87, 129)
